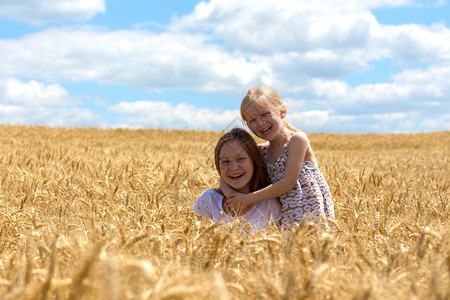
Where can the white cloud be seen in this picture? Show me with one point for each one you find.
(32, 93)
(37, 103)
(278, 25)
(440, 123)
(304, 49)
(139, 59)
(283, 44)
(322, 39)
(155, 62)
(411, 90)
(38, 11)
(328, 121)
(418, 43)
(49, 116)
(310, 118)
(159, 114)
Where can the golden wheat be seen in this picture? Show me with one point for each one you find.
(107, 214)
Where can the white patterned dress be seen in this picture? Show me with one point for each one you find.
(310, 198)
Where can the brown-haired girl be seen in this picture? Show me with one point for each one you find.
(240, 165)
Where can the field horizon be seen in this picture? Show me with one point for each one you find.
(90, 213)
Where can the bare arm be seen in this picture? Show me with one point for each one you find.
(230, 193)
(297, 148)
(227, 190)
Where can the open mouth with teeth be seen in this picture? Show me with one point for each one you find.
(236, 176)
(266, 131)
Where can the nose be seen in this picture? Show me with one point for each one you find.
(234, 165)
(259, 121)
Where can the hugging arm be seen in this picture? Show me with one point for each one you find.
(297, 148)
(227, 190)
(230, 193)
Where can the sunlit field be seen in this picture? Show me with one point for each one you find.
(107, 214)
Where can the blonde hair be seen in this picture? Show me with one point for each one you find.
(265, 97)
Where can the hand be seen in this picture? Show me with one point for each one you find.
(226, 190)
(229, 194)
(239, 203)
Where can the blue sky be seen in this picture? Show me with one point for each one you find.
(340, 65)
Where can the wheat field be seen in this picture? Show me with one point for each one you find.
(107, 214)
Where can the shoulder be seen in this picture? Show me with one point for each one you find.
(207, 202)
(299, 135)
(298, 139)
(261, 147)
(210, 194)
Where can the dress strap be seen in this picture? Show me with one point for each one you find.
(265, 146)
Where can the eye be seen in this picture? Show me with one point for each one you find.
(241, 159)
(224, 162)
(267, 114)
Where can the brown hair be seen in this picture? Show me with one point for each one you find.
(260, 176)
(266, 97)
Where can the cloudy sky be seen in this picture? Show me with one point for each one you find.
(340, 65)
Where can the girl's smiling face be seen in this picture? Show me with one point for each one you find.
(264, 122)
(236, 166)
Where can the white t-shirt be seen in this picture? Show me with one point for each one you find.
(209, 205)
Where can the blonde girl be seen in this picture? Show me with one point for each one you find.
(290, 161)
